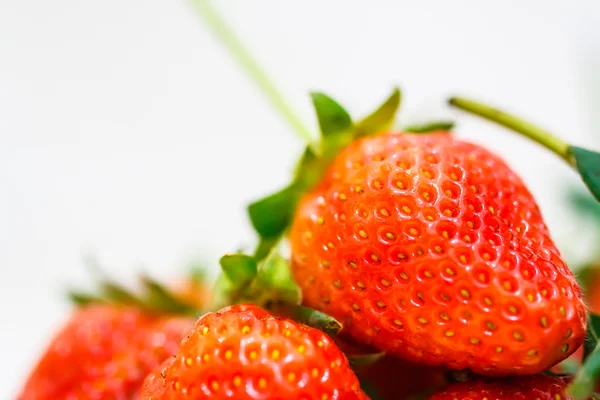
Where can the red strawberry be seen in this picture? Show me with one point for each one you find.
(432, 249)
(391, 377)
(103, 352)
(243, 352)
(536, 387)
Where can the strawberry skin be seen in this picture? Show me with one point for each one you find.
(104, 352)
(536, 387)
(243, 352)
(432, 249)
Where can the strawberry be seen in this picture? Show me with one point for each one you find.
(536, 387)
(389, 377)
(433, 249)
(243, 352)
(104, 352)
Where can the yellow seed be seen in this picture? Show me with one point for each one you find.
(355, 307)
(486, 256)
(301, 349)
(532, 352)
(320, 343)
(390, 236)
(438, 249)
(337, 284)
(262, 383)
(384, 212)
(286, 333)
(518, 336)
(413, 231)
(253, 355)
(481, 277)
(353, 264)
(331, 245)
(530, 297)
(449, 333)
(447, 212)
(488, 301)
(453, 176)
(429, 217)
(177, 385)
(398, 322)
(363, 234)
(544, 292)
(507, 285)
(420, 296)
(449, 271)
(422, 320)
(444, 296)
(568, 333)
(326, 264)
(342, 196)
(564, 348)
(385, 282)
(427, 174)
(462, 258)
(444, 316)
(400, 184)
(499, 349)
(320, 221)
(419, 252)
(291, 377)
(228, 354)
(425, 196)
(189, 361)
(360, 284)
(332, 364)
(402, 165)
(428, 273)
(237, 381)
(562, 311)
(557, 396)
(324, 396)
(492, 210)
(490, 325)
(325, 300)
(445, 234)
(377, 184)
(205, 330)
(466, 239)
(380, 304)
(275, 354)
(375, 257)
(448, 193)
(215, 385)
(206, 357)
(512, 309)
(315, 372)
(358, 189)
(474, 341)
(465, 293)
(470, 224)
(406, 209)
(401, 256)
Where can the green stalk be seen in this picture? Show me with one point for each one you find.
(533, 132)
(225, 34)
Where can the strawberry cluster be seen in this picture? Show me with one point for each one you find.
(416, 260)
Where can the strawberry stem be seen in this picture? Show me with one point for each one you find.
(241, 54)
(518, 125)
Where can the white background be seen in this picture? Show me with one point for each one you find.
(127, 132)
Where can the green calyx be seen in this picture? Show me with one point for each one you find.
(152, 297)
(272, 215)
(585, 162)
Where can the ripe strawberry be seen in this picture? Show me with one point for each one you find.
(432, 249)
(104, 351)
(391, 377)
(536, 387)
(243, 352)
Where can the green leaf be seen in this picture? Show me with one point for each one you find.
(365, 359)
(239, 269)
(272, 215)
(82, 299)
(591, 336)
(588, 164)
(381, 119)
(583, 385)
(430, 127)
(274, 281)
(332, 117)
(159, 298)
(369, 389)
(116, 293)
(317, 319)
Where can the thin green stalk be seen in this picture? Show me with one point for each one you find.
(226, 35)
(517, 124)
